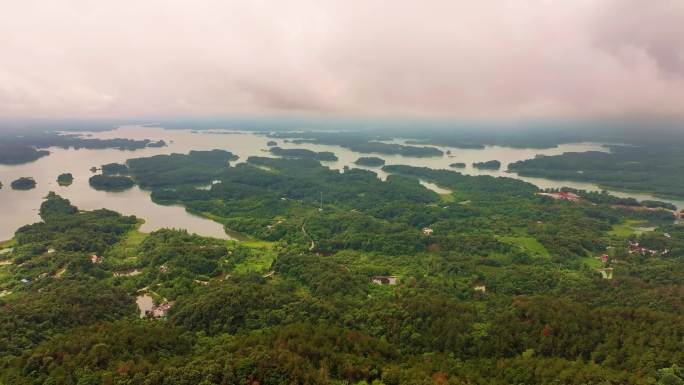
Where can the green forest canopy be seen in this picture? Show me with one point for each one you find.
(505, 289)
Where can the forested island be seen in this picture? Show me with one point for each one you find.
(488, 165)
(110, 182)
(114, 169)
(303, 154)
(23, 183)
(65, 179)
(345, 278)
(359, 142)
(457, 165)
(447, 142)
(18, 149)
(370, 161)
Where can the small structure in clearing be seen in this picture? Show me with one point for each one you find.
(563, 195)
(96, 259)
(606, 273)
(384, 280)
(427, 231)
(160, 311)
(127, 273)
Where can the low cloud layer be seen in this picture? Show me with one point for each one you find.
(492, 59)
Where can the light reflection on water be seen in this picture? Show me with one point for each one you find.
(18, 208)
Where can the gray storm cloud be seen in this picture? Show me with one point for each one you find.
(451, 58)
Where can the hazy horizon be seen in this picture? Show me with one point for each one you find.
(612, 60)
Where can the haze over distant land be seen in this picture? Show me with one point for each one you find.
(491, 59)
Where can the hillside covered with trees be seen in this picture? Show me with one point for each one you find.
(384, 282)
(648, 167)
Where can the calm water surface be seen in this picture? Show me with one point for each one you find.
(18, 208)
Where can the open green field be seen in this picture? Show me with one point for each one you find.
(7, 243)
(592, 262)
(528, 244)
(259, 261)
(125, 252)
(627, 228)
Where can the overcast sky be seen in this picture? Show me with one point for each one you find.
(490, 59)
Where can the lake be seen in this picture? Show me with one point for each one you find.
(19, 208)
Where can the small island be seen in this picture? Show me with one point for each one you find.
(157, 144)
(23, 183)
(301, 153)
(370, 161)
(457, 165)
(65, 179)
(110, 183)
(488, 165)
(114, 169)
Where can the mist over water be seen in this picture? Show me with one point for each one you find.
(21, 207)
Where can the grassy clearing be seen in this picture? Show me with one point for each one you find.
(447, 198)
(258, 244)
(126, 251)
(5, 275)
(8, 243)
(259, 261)
(528, 244)
(592, 262)
(627, 228)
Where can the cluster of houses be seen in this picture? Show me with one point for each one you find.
(635, 248)
(386, 280)
(563, 195)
